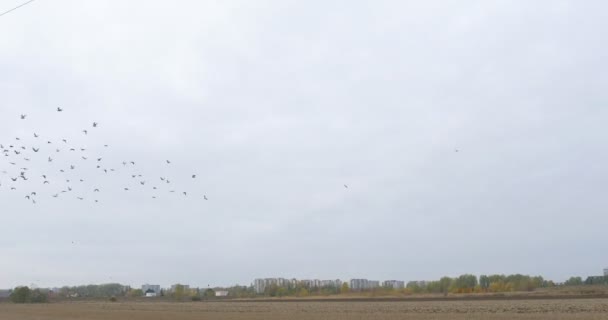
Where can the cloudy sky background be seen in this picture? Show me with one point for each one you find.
(275, 105)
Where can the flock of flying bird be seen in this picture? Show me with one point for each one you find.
(16, 176)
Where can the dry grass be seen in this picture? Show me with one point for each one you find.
(335, 310)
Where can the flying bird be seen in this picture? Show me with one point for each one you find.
(23, 116)
(59, 109)
(85, 131)
(95, 124)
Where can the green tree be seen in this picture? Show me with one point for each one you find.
(209, 293)
(574, 281)
(345, 288)
(37, 296)
(179, 292)
(26, 295)
(21, 295)
(136, 293)
(444, 284)
(484, 282)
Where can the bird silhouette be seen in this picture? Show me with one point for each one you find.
(59, 109)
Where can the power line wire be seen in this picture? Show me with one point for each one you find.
(15, 8)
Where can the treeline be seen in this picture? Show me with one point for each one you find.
(593, 280)
(95, 291)
(469, 283)
(27, 295)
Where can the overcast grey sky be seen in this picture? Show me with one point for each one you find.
(275, 105)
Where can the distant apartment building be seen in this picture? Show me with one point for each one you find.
(359, 284)
(331, 283)
(394, 284)
(151, 290)
(363, 284)
(605, 272)
(260, 285)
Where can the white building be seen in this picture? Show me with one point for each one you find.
(373, 284)
(331, 283)
(359, 284)
(259, 285)
(221, 293)
(151, 290)
(395, 284)
(363, 284)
